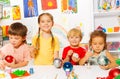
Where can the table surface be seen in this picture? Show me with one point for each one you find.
(51, 72)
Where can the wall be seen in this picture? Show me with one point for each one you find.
(63, 22)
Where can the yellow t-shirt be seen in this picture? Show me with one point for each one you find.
(45, 54)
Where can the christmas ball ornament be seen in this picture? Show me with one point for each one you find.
(114, 72)
(68, 67)
(103, 60)
(9, 58)
(118, 61)
(109, 77)
(57, 63)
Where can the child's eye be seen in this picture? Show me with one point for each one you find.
(16, 38)
(94, 43)
(71, 37)
(101, 43)
(42, 21)
(76, 37)
(49, 21)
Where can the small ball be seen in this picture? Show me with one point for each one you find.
(57, 63)
(9, 58)
(103, 60)
(67, 66)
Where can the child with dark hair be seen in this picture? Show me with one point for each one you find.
(98, 47)
(17, 48)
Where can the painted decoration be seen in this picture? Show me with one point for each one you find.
(59, 31)
(69, 6)
(5, 2)
(6, 13)
(16, 13)
(30, 8)
(5, 32)
(49, 4)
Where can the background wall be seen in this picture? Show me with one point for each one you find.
(63, 22)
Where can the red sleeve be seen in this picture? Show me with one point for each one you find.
(83, 53)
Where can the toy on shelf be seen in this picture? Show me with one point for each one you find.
(101, 28)
(57, 62)
(113, 29)
(113, 46)
(116, 28)
(107, 5)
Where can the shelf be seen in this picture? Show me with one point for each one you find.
(117, 51)
(111, 33)
(107, 13)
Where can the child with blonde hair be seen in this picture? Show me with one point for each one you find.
(73, 53)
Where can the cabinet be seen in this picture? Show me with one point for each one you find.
(108, 17)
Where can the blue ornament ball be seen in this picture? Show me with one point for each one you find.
(67, 66)
(57, 62)
(103, 60)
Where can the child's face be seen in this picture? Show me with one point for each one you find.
(97, 44)
(45, 23)
(15, 40)
(74, 40)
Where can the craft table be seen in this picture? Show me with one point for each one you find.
(51, 72)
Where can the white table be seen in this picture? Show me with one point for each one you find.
(50, 72)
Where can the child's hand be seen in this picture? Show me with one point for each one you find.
(75, 57)
(104, 67)
(70, 52)
(9, 64)
(2, 65)
(89, 54)
(33, 51)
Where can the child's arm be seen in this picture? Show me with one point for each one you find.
(33, 51)
(2, 65)
(56, 54)
(56, 47)
(20, 64)
(68, 56)
(85, 58)
(112, 63)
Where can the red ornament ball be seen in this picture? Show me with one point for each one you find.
(9, 58)
(114, 72)
(109, 77)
